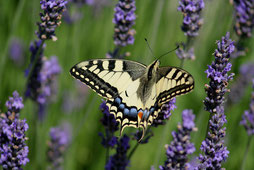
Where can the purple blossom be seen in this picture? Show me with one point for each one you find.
(244, 18)
(40, 85)
(50, 18)
(238, 88)
(16, 52)
(217, 72)
(185, 54)
(248, 116)
(213, 146)
(60, 138)
(180, 147)
(165, 113)
(124, 19)
(192, 20)
(119, 160)
(111, 125)
(13, 149)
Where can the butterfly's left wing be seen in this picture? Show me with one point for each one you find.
(108, 77)
(171, 82)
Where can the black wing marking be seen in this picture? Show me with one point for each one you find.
(108, 77)
(171, 82)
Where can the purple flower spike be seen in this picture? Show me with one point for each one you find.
(41, 83)
(244, 17)
(124, 19)
(119, 160)
(192, 20)
(111, 125)
(182, 54)
(16, 52)
(60, 138)
(238, 88)
(165, 113)
(213, 146)
(181, 147)
(50, 18)
(13, 149)
(248, 116)
(217, 72)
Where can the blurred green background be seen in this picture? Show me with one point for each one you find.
(90, 37)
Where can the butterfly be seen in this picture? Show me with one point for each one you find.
(134, 92)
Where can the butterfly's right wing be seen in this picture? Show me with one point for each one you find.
(108, 77)
(171, 82)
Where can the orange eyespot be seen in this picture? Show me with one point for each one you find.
(140, 114)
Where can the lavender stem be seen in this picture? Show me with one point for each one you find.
(36, 58)
(246, 153)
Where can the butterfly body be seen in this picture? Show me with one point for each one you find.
(134, 92)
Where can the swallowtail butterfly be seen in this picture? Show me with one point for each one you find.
(134, 92)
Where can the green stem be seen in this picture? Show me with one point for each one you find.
(246, 153)
(133, 150)
(12, 30)
(181, 64)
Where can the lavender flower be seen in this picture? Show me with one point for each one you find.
(218, 74)
(119, 160)
(13, 149)
(165, 113)
(16, 52)
(39, 86)
(50, 18)
(111, 126)
(192, 20)
(213, 146)
(181, 146)
(248, 116)
(124, 19)
(60, 138)
(244, 18)
(238, 88)
(182, 54)
(80, 2)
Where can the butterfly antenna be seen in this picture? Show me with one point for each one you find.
(169, 51)
(149, 47)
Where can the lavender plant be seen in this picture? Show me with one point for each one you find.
(119, 160)
(60, 138)
(244, 24)
(213, 146)
(246, 74)
(181, 147)
(248, 116)
(16, 52)
(192, 22)
(13, 149)
(124, 19)
(111, 126)
(41, 71)
(248, 123)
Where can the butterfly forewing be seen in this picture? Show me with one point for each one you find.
(171, 82)
(107, 77)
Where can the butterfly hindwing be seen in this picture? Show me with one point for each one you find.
(107, 77)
